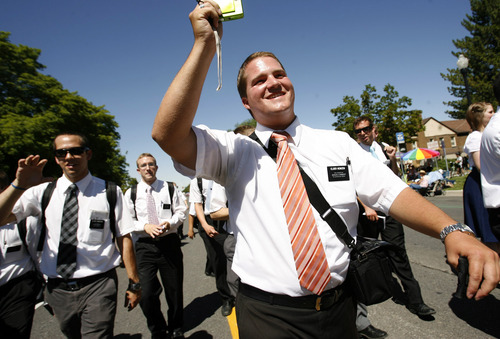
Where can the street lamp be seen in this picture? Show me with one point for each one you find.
(462, 64)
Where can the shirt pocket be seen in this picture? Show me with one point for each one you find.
(97, 227)
(14, 251)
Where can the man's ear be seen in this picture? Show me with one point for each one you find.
(89, 154)
(245, 103)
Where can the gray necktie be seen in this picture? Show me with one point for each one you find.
(66, 257)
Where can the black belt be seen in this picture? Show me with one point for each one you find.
(149, 240)
(317, 302)
(76, 284)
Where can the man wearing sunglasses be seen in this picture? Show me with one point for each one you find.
(79, 256)
(367, 133)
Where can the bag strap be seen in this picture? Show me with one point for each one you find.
(171, 189)
(133, 197)
(200, 186)
(47, 194)
(111, 196)
(317, 199)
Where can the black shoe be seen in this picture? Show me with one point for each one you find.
(421, 310)
(177, 334)
(372, 333)
(210, 274)
(227, 307)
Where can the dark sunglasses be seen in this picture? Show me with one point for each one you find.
(364, 129)
(61, 153)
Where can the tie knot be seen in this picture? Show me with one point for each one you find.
(279, 136)
(149, 189)
(72, 189)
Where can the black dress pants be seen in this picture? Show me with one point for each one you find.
(258, 319)
(17, 306)
(164, 256)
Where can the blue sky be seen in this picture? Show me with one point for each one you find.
(123, 54)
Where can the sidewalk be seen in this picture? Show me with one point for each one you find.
(454, 193)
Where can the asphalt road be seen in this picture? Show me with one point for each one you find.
(454, 318)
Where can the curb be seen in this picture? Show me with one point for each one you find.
(454, 193)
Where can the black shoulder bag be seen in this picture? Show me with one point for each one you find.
(370, 270)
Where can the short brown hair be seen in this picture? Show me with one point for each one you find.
(475, 113)
(363, 118)
(241, 81)
(144, 155)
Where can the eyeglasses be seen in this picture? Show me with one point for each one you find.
(61, 153)
(364, 129)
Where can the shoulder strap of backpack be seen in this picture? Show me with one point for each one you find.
(200, 186)
(133, 197)
(47, 194)
(111, 196)
(171, 190)
(21, 229)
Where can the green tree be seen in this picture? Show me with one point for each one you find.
(482, 48)
(249, 122)
(388, 111)
(35, 107)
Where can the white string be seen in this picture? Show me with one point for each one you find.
(219, 59)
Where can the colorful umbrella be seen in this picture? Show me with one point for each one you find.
(419, 154)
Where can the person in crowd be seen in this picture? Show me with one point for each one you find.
(411, 172)
(211, 209)
(210, 261)
(459, 164)
(275, 297)
(367, 133)
(79, 256)
(490, 165)
(18, 282)
(422, 181)
(158, 208)
(475, 214)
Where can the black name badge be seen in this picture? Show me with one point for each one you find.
(166, 206)
(96, 224)
(338, 173)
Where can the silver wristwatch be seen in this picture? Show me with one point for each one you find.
(455, 227)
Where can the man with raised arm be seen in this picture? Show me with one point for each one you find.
(276, 297)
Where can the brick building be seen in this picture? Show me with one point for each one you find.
(452, 132)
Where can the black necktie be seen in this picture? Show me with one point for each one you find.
(66, 257)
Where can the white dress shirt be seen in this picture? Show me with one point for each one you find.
(96, 252)
(472, 144)
(15, 260)
(378, 151)
(264, 257)
(163, 205)
(490, 162)
(215, 198)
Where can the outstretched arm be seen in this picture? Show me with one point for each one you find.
(429, 219)
(28, 174)
(172, 126)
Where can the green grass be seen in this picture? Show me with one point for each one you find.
(459, 183)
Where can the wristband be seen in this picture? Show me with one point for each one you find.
(17, 187)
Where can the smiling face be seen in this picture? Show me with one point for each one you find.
(74, 166)
(147, 168)
(269, 93)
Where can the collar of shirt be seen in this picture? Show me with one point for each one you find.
(63, 183)
(294, 130)
(155, 185)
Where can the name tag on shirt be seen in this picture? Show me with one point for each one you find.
(338, 173)
(166, 206)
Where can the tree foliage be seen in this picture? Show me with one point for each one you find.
(35, 107)
(388, 111)
(482, 48)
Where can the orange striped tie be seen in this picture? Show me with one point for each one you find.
(308, 252)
